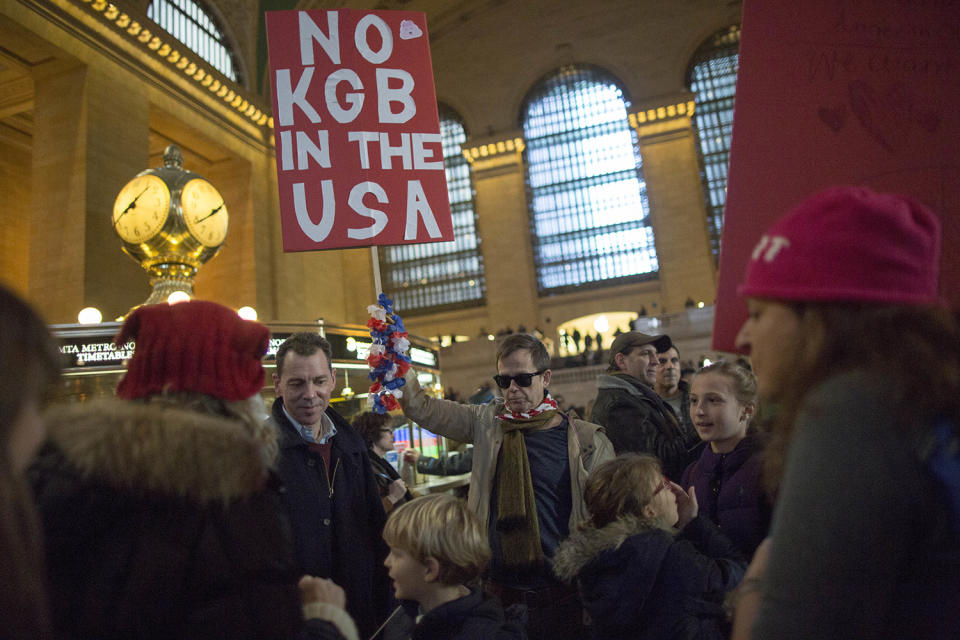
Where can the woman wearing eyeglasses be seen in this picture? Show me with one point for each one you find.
(375, 430)
(647, 566)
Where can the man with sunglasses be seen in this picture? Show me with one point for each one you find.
(635, 417)
(530, 465)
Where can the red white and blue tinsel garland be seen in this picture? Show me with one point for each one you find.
(389, 357)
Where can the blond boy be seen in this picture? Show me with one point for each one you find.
(438, 549)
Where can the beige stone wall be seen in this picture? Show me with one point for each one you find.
(101, 110)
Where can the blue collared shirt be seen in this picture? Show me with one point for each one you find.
(329, 429)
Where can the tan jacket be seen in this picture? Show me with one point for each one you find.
(586, 443)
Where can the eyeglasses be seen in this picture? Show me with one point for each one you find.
(660, 487)
(522, 379)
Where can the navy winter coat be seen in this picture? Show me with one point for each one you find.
(638, 581)
(336, 530)
(159, 524)
(472, 617)
(730, 494)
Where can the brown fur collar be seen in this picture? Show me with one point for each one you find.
(142, 448)
(581, 547)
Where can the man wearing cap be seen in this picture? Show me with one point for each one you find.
(530, 465)
(635, 417)
(330, 492)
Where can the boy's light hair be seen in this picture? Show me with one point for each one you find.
(442, 527)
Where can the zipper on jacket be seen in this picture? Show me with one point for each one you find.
(331, 481)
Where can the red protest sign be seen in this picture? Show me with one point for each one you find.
(359, 159)
(835, 93)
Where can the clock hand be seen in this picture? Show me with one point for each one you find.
(212, 213)
(130, 206)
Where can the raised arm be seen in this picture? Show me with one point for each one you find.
(449, 419)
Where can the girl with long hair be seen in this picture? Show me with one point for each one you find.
(723, 406)
(646, 566)
(849, 339)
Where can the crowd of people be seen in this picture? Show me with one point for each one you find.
(818, 493)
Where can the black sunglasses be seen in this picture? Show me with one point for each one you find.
(522, 379)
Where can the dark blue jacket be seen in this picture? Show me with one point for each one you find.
(729, 492)
(472, 617)
(638, 581)
(336, 531)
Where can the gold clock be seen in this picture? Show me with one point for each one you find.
(205, 212)
(141, 209)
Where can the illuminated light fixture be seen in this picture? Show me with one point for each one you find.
(90, 315)
(707, 362)
(247, 313)
(346, 392)
(601, 324)
(700, 305)
(127, 25)
(178, 296)
(490, 337)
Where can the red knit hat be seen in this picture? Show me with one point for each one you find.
(195, 346)
(849, 244)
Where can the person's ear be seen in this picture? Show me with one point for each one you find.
(546, 377)
(619, 360)
(276, 385)
(649, 511)
(747, 412)
(432, 570)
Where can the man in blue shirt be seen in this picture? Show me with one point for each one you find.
(530, 464)
(330, 492)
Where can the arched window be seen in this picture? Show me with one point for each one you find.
(195, 27)
(429, 277)
(588, 201)
(712, 76)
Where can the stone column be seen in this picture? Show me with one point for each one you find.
(504, 224)
(678, 212)
(91, 137)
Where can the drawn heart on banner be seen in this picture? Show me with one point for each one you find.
(890, 117)
(409, 30)
(833, 117)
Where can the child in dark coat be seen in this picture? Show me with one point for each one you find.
(437, 548)
(641, 577)
(723, 401)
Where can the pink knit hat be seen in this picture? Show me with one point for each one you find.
(195, 346)
(849, 244)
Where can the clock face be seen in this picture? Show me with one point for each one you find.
(141, 209)
(204, 212)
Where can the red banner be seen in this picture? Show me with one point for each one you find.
(359, 159)
(832, 92)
